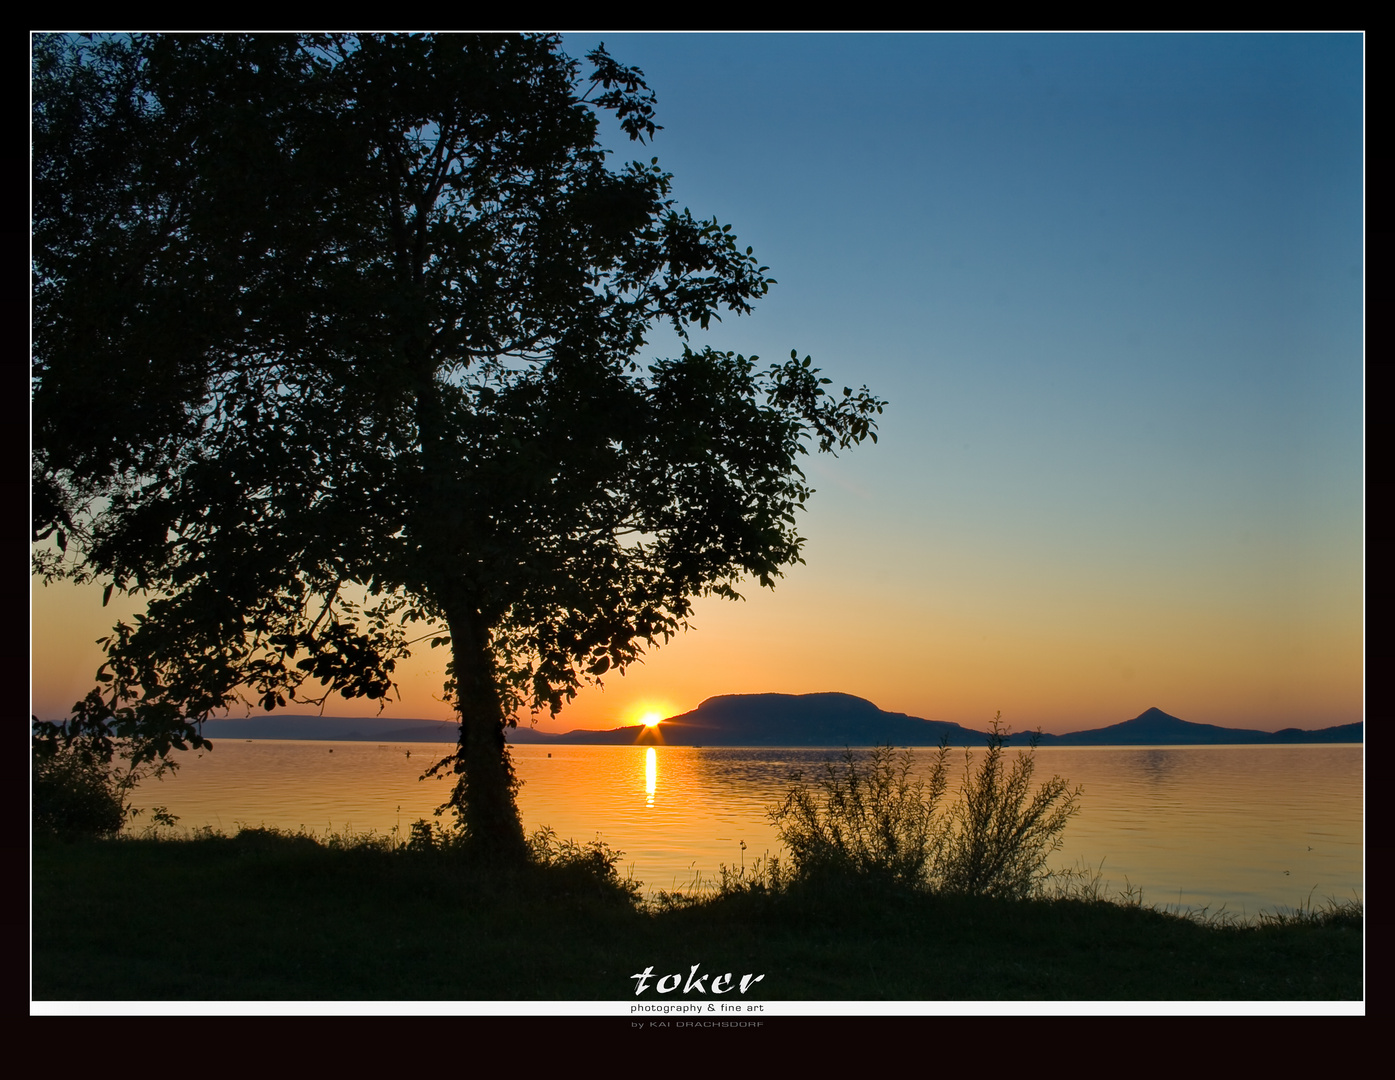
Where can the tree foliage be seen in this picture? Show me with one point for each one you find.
(339, 339)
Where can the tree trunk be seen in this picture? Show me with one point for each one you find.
(484, 794)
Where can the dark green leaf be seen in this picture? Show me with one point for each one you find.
(320, 316)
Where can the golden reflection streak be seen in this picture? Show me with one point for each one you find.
(651, 773)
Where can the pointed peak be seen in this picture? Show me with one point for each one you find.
(1155, 715)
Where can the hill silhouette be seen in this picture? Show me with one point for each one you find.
(776, 720)
(828, 719)
(833, 719)
(1153, 727)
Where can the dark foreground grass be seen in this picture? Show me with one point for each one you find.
(265, 916)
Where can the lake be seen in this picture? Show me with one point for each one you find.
(1241, 827)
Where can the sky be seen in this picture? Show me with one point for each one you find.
(1111, 287)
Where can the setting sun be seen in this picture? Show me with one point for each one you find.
(1007, 562)
(649, 711)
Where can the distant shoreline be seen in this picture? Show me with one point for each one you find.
(770, 721)
(563, 741)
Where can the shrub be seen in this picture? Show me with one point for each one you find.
(871, 822)
(997, 841)
(426, 836)
(864, 820)
(593, 865)
(84, 773)
(75, 794)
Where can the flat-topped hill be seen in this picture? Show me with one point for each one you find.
(833, 719)
(829, 719)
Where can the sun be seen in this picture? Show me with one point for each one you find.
(649, 712)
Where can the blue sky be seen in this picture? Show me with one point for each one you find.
(1112, 289)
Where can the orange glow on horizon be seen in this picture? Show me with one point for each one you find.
(648, 710)
(1096, 660)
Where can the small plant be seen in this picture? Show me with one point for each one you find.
(594, 863)
(160, 818)
(75, 794)
(1080, 882)
(83, 777)
(1000, 833)
(759, 876)
(1344, 914)
(425, 836)
(868, 820)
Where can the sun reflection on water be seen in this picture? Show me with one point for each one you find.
(1220, 823)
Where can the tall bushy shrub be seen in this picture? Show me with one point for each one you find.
(1000, 834)
(870, 821)
(592, 867)
(75, 794)
(82, 779)
(864, 820)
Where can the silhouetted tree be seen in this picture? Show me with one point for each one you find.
(335, 335)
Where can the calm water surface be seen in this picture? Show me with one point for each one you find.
(1250, 828)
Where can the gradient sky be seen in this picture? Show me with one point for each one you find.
(1112, 289)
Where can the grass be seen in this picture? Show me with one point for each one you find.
(265, 915)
